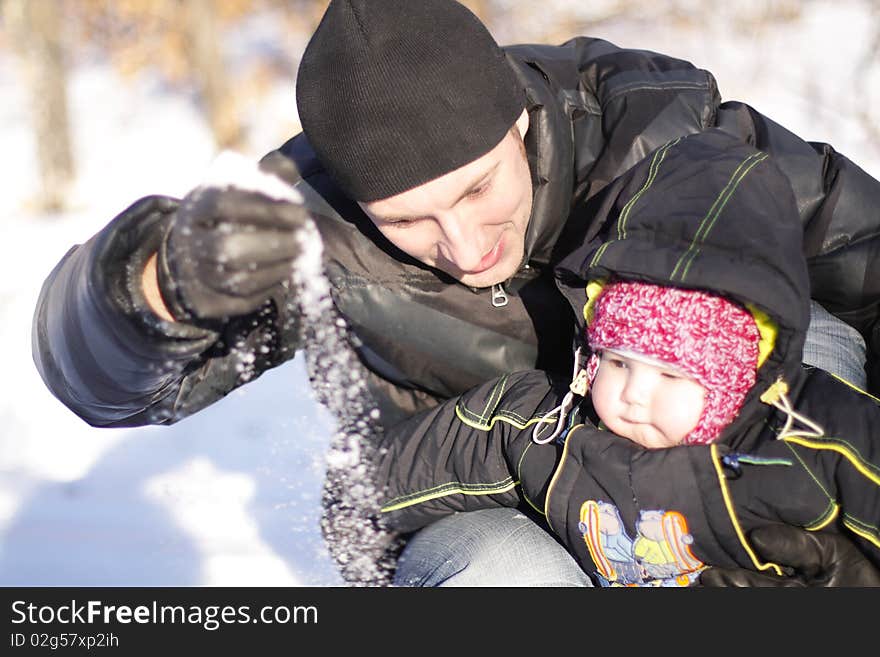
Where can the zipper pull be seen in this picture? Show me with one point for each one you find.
(499, 296)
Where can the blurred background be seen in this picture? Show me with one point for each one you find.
(104, 101)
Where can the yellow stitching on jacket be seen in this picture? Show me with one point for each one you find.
(599, 254)
(656, 161)
(726, 194)
(855, 387)
(502, 416)
(815, 479)
(444, 490)
(831, 513)
(559, 468)
(522, 458)
(498, 389)
(869, 470)
(728, 502)
(861, 523)
(858, 528)
(491, 403)
(514, 416)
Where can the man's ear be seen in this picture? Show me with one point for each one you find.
(522, 123)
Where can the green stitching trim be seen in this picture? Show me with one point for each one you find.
(444, 490)
(855, 387)
(843, 447)
(485, 420)
(509, 417)
(815, 479)
(832, 509)
(656, 161)
(599, 254)
(491, 403)
(858, 527)
(826, 518)
(715, 211)
(519, 464)
(556, 474)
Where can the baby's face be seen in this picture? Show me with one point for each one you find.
(652, 405)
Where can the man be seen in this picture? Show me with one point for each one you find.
(446, 176)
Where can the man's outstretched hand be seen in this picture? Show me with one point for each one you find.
(227, 250)
(817, 559)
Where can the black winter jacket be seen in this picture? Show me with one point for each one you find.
(705, 212)
(595, 111)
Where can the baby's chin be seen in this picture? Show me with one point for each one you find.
(647, 436)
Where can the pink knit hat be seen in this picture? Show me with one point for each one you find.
(703, 335)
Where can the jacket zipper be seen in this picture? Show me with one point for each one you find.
(499, 295)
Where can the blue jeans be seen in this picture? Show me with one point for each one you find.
(492, 547)
(835, 347)
(502, 547)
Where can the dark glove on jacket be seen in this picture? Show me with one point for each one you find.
(817, 559)
(226, 252)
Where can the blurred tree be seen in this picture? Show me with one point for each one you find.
(868, 75)
(182, 40)
(201, 26)
(34, 29)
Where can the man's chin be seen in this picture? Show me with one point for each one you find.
(487, 278)
(497, 274)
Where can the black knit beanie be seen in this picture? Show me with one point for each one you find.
(394, 93)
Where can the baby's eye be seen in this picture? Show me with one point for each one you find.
(670, 375)
(617, 363)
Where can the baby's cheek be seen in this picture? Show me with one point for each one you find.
(684, 409)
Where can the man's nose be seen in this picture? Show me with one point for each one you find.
(462, 244)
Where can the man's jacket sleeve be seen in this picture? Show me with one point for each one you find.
(469, 453)
(105, 355)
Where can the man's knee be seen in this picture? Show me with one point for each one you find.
(835, 346)
(494, 547)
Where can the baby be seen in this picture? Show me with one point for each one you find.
(669, 366)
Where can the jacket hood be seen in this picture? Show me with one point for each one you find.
(707, 212)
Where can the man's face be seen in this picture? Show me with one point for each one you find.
(652, 405)
(471, 222)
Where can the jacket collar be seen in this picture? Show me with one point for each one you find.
(550, 152)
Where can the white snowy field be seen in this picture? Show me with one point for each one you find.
(231, 496)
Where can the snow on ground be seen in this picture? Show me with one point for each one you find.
(231, 496)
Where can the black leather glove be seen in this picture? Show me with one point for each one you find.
(816, 559)
(226, 252)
